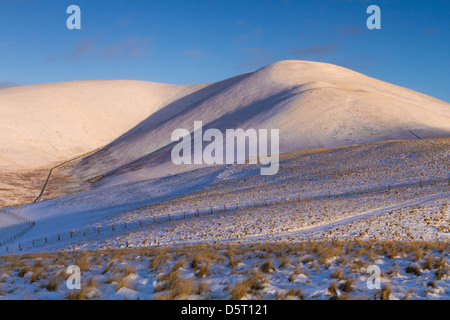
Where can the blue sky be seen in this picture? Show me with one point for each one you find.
(189, 41)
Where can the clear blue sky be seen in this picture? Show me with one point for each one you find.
(189, 41)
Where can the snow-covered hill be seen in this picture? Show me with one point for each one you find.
(313, 105)
(50, 123)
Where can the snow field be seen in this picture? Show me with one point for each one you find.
(308, 270)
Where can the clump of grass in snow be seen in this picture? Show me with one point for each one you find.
(52, 284)
(202, 289)
(233, 260)
(203, 271)
(347, 286)
(178, 264)
(267, 267)
(178, 287)
(413, 269)
(337, 274)
(293, 292)
(239, 290)
(285, 262)
(124, 282)
(250, 285)
(83, 262)
(159, 258)
(385, 292)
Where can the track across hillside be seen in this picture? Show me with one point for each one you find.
(339, 222)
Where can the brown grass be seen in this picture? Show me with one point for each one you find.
(347, 286)
(385, 293)
(267, 267)
(293, 292)
(52, 284)
(178, 287)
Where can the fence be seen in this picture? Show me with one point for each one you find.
(29, 225)
(41, 194)
(113, 228)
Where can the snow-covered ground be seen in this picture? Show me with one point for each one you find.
(386, 191)
(314, 105)
(387, 202)
(306, 270)
(129, 200)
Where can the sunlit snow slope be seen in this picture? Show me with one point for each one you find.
(49, 123)
(313, 104)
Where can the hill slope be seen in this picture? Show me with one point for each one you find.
(43, 124)
(313, 104)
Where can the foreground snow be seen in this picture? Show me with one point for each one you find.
(311, 270)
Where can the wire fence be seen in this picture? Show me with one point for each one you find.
(228, 207)
(41, 194)
(29, 225)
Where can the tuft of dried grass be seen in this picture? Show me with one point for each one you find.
(413, 269)
(52, 284)
(178, 287)
(203, 271)
(267, 267)
(240, 290)
(347, 286)
(253, 284)
(233, 261)
(285, 262)
(124, 283)
(293, 292)
(337, 274)
(332, 290)
(202, 289)
(385, 292)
